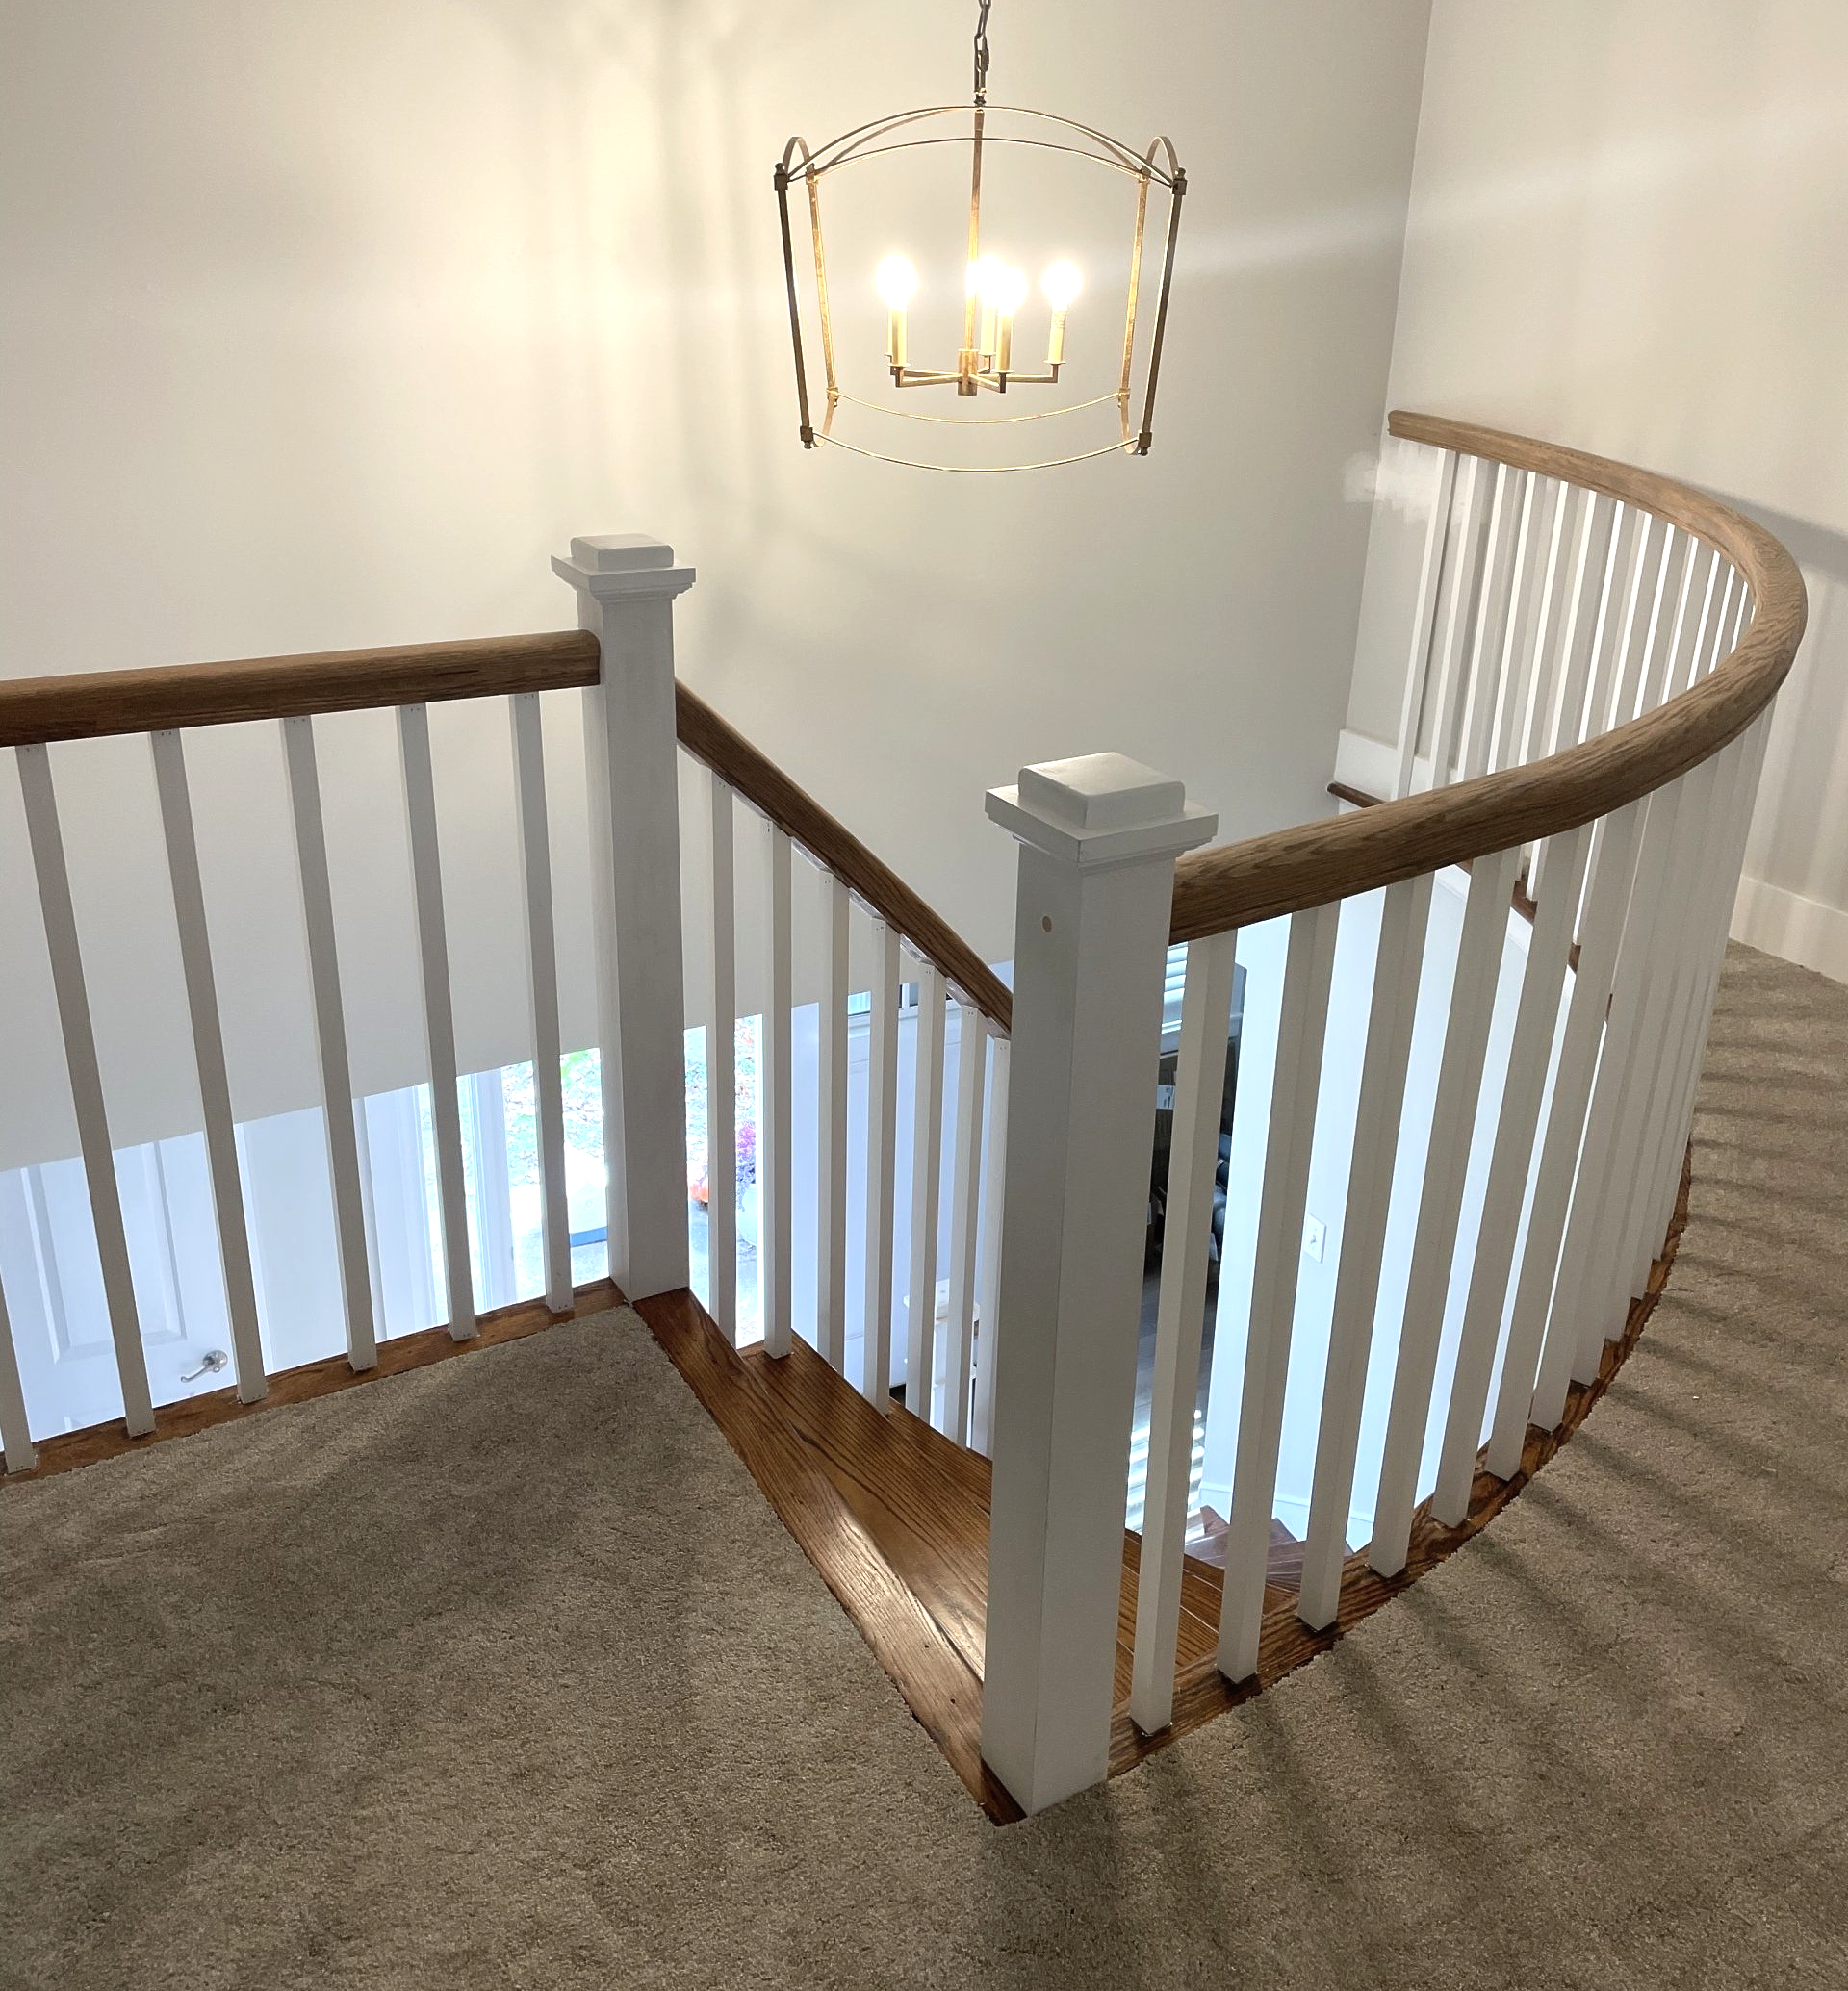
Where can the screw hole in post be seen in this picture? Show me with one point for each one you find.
(1046, 925)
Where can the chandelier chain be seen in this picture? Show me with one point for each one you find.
(981, 52)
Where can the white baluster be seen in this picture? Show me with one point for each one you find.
(994, 1167)
(1098, 839)
(775, 1153)
(1563, 1354)
(439, 1015)
(542, 993)
(1459, 1090)
(1640, 611)
(1418, 670)
(1517, 1122)
(1586, 1302)
(47, 841)
(881, 1170)
(831, 1131)
(1460, 565)
(17, 1453)
(1617, 619)
(208, 1047)
(1591, 572)
(927, 1167)
(1404, 920)
(1689, 668)
(1308, 972)
(1569, 506)
(1612, 870)
(1199, 1102)
(1517, 644)
(338, 1104)
(1678, 578)
(1722, 622)
(626, 588)
(1494, 620)
(971, 1059)
(721, 1074)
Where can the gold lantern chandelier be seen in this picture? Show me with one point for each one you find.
(992, 357)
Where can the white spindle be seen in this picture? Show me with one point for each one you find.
(1523, 608)
(1550, 617)
(1576, 1330)
(439, 1015)
(830, 1129)
(721, 1073)
(1723, 618)
(1308, 971)
(994, 1177)
(1708, 587)
(881, 1170)
(1404, 920)
(927, 1167)
(1459, 1090)
(208, 1046)
(1517, 1122)
(1494, 620)
(542, 992)
(330, 1039)
(1678, 580)
(1590, 570)
(47, 841)
(1460, 565)
(971, 1059)
(1418, 670)
(1612, 870)
(775, 1164)
(1200, 1100)
(1629, 553)
(17, 1452)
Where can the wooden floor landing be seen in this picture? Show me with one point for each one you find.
(895, 1518)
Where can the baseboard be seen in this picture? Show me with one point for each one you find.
(1371, 765)
(1793, 927)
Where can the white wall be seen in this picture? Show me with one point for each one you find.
(1629, 231)
(325, 324)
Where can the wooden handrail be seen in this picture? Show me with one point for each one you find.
(1290, 870)
(97, 705)
(726, 750)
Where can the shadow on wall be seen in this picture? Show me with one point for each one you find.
(1797, 850)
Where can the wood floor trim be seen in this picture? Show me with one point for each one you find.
(327, 1377)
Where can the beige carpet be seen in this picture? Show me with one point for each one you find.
(503, 1674)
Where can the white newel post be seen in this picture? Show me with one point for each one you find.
(626, 587)
(1098, 839)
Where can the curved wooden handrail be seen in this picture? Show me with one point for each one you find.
(1289, 870)
(99, 704)
(726, 750)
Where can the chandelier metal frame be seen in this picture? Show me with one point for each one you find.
(983, 363)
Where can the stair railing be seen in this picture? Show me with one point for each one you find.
(1594, 656)
(622, 660)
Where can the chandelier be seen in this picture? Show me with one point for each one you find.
(985, 339)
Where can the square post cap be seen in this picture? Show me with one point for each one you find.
(622, 565)
(1101, 808)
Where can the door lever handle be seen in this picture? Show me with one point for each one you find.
(216, 1358)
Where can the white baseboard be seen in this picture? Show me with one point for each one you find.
(1793, 927)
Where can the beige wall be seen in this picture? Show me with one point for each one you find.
(1629, 231)
(324, 323)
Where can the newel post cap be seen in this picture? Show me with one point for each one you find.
(622, 564)
(1101, 808)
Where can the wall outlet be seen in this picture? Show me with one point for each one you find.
(1314, 1238)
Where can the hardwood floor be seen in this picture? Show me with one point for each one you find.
(895, 1518)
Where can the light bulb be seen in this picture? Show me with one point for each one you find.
(896, 282)
(1061, 283)
(1003, 289)
(981, 275)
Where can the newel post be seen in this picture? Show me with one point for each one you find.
(626, 588)
(1098, 839)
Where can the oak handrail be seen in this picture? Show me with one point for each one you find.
(100, 704)
(719, 744)
(1314, 863)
